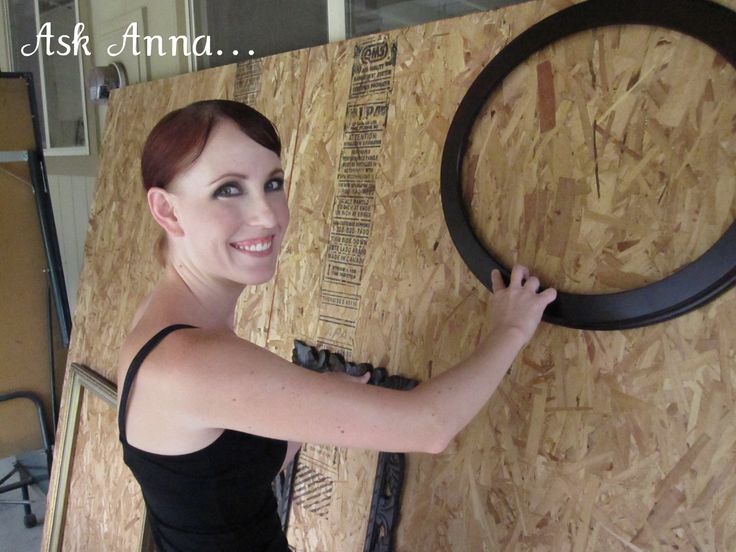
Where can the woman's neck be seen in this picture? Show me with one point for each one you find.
(210, 304)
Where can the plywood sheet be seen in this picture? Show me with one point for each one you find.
(570, 452)
(596, 440)
(606, 159)
(98, 477)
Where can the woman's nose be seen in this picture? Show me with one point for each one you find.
(260, 212)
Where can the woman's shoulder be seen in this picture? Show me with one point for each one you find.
(150, 318)
(185, 345)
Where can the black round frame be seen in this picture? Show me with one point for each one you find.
(686, 289)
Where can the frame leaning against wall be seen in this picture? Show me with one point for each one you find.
(383, 516)
(80, 380)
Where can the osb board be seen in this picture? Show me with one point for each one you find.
(24, 334)
(597, 440)
(613, 153)
(97, 476)
(119, 269)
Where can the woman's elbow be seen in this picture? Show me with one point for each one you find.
(437, 446)
(436, 434)
(438, 438)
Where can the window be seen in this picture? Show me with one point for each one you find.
(275, 26)
(265, 28)
(57, 78)
(372, 16)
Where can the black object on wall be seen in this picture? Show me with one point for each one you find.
(691, 286)
(384, 512)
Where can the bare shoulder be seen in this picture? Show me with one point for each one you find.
(189, 360)
(205, 381)
(155, 396)
(203, 362)
(171, 352)
(191, 352)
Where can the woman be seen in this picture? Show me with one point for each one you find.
(208, 419)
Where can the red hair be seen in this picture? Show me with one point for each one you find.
(179, 138)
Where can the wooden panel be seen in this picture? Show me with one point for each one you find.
(596, 440)
(630, 174)
(569, 451)
(94, 448)
(319, 303)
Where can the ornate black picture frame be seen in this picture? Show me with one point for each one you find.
(691, 286)
(388, 484)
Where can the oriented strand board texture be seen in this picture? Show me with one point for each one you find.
(98, 476)
(596, 441)
(613, 152)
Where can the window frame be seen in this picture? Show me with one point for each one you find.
(49, 149)
(336, 26)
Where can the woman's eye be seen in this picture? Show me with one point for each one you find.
(229, 189)
(275, 184)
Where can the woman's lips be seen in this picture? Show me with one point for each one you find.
(259, 247)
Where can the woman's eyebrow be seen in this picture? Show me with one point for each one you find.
(244, 176)
(237, 175)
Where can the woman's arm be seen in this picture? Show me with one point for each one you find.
(294, 446)
(218, 380)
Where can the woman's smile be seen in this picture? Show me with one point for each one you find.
(260, 247)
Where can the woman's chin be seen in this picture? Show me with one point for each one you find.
(254, 277)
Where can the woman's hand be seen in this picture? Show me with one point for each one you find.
(518, 308)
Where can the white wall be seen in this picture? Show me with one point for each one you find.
(107, 18)
(71, 198)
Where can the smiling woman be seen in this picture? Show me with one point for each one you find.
(179, 139)
(208, 419)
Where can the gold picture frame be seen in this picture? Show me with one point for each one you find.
(82, 379)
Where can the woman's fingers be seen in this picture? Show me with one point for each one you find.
(518, 273)
(496, 280)
(521, 277)
(549, 295)
(532, 283)
(355, 379)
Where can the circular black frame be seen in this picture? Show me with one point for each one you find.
(690, 286)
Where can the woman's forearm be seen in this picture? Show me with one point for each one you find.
(454, 397)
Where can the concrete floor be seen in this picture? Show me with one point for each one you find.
(14, 536)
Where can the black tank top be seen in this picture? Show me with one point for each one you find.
(218, 498)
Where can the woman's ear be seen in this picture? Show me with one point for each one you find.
(162, 208)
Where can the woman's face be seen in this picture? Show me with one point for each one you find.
(232, 208)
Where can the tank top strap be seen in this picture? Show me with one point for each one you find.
(133, 370)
